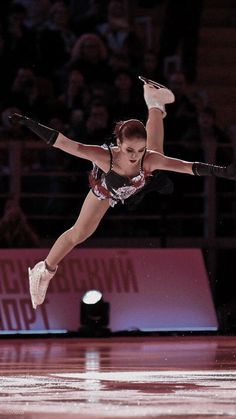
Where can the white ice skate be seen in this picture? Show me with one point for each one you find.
(39, 279)
(156, 95)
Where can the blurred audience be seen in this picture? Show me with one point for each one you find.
(76, 130)
(37, 13)
(206, 141)
(118, 62)
(86, 15)
(89, 55)
(182, 114)
(180, 32)
(55, 43)
(98, 124)
(33, 95)
(128, 97)
(73, 65)
(149, 65)
(118, 33)
(76, 94)
(19, 40)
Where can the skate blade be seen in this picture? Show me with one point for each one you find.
(170, 98)
(152, 82)
(32, 301)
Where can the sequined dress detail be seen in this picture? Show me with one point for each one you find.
(113, 186)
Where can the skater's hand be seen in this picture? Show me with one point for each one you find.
(49, 135)
(16, 118)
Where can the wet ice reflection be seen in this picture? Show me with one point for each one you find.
(118, 378)
(92, 366)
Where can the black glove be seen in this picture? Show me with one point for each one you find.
(204, 169)
(49, 135)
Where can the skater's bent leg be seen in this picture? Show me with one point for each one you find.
(156, 99)
(155, 130)
(89, 218)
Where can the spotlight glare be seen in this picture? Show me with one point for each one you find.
(94, 315)
(92, 297)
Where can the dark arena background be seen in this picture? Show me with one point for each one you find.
(140, 320)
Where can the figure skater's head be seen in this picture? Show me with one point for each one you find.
(130, 129)
(131, 138)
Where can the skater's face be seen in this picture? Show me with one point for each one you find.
(131, 140)
(133, 149)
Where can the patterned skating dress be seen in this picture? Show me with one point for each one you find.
(113, 186)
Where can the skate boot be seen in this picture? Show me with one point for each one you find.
(39, 279)
(156, 95)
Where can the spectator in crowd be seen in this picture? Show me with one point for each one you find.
(127, 97)
(86, 15)
(180, 30)
(149, 65)
(199, 98)
(210, 130)
(15, 230)
(119, 62)
(19, 40)
(55, 43)
(38, 13)
(76, 94)
(76, 124)
(32, 163)
(98, 124)
(207, 140)
(34, 95)
(89, 56)
(182, 114)
(57, 162)
(117, 32)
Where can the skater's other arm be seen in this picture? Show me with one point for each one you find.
(93, 153)
(54, 138)
(154, 161)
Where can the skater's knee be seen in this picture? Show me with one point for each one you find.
(78, 236)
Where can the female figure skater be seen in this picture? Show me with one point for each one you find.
(118, 172)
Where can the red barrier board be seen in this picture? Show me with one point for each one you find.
(148, 289)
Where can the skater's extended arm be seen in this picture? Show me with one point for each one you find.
(156, 160)
(54, 138)
(90, 152)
